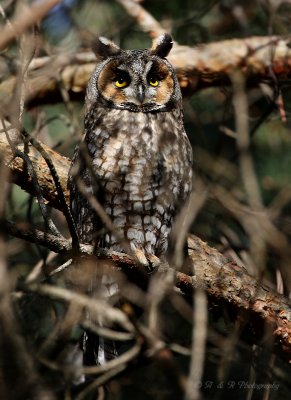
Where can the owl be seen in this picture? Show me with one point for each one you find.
(135, 159)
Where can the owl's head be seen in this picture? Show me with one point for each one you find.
(134, 80)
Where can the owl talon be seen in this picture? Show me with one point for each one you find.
(141, 258)
(150, 262)
(154, 263)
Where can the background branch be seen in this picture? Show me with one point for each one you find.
(26, 18)
(258, 58)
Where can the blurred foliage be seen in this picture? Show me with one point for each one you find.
(229, 364)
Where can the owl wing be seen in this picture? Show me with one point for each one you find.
(176, 168)
(81, 186)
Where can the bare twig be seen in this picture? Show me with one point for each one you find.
(36, 272)
(107, 333)
(275, 239)
(107, 376)
(97, 207)
(108, 313)
(37, 191)
(144, 19)
(28, 17)
(199, 334)
(58, 186)
(54, 243)
(257, 243)
(112, 364)
(243, 141)
(184, 220)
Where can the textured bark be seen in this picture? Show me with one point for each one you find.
(226, 283)
(202, 66)
(19, 174)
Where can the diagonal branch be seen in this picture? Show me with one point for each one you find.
(18, 171)
(27, 18)
(145, 20)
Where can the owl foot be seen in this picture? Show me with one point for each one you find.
(154, 262)
(149, 261)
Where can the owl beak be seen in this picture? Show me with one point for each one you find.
(140, 94)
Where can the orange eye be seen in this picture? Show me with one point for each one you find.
(153, 81)
(121, 82)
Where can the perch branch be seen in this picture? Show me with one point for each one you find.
(225, 282)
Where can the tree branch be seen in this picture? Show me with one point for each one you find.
(18, 169)
(197, 68)
(145, 20)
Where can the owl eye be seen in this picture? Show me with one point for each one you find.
(121, 82)
(153, 81)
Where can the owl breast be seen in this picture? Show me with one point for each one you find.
(142, 165)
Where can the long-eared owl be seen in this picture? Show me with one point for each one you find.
(135, 157)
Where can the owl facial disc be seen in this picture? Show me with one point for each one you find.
(136, 80)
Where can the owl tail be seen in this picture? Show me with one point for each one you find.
(106, 351)
(98, 350)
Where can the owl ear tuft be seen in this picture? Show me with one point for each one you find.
(103, 48)
(162, 45)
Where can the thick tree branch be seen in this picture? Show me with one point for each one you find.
(258, 58)
(225, 282)
(19, 172)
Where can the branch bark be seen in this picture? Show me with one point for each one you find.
(18, 171)
(225, 282)
(199, 67)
